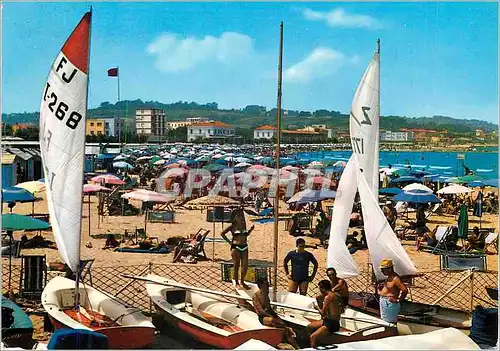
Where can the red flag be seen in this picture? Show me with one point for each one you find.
(113, 72)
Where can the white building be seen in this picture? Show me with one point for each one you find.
(396, 136)
(209, 130)
(193, 120)
(189, 121)
(150, 121)
(264, 132)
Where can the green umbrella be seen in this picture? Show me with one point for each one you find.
(463, 222)
(213, 167)
(14, 222)
(466, 179)
(154, 159)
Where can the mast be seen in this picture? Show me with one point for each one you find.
(78, 270)
(278, 134)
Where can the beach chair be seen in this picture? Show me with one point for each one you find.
(434, 210)
(441, 233)
(140, 233)
(196, 249)
(462, 261)
(491, 240)
(33, 277)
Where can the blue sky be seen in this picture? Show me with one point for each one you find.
(436, 58)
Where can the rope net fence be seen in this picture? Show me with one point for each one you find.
(461, 290)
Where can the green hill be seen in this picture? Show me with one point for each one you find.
(254, 115)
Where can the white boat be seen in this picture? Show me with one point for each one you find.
(207, 318)
(125, 327)
(63, 113)
(354, 325)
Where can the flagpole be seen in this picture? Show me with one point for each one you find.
(278, 151)
(118, 76)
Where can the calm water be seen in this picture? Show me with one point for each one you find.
(484, 164)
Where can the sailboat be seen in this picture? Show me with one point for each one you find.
(62, 144)
(299, 310)
(361, 174)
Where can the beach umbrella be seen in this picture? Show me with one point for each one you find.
(465, 179)
(14, 222)
(308, 195)
(311, 171)
(154, 159)
(242, 165)
(159, 162)
(463, 222)
(389, 191)
(93, 188)
(290, 168)
(13, 194)
(417, 196)
(417, 186)
(406, 179)
(173, 165)
(122, 165)
(478, 207)
(203, 158)
(213, 167)
(316, 164)
(120, 158)
(143, 158)
(33, 186)
(455, 189)
(340, 164)
(176, 172)
(107, 179)
(148, 196)
(260, 169)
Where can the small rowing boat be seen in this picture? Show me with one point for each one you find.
(125, 327)
(298, 311)
(414, 317)
(206, 317)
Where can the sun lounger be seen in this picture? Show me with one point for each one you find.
(462, 261)
(491, 240)
(428, 214)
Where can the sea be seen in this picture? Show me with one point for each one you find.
(482, 163)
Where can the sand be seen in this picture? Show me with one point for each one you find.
(189, 221)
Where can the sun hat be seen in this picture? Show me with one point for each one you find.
(386, 264)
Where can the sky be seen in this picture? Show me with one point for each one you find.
(436, 58)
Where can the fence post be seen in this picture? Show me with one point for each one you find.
(150, 264)
(472, 291)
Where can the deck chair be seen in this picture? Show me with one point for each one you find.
(198, 249)
(491, 240)
(440, 233)
(33, 277)
(433, 210)
(140, 233)
(462, 261)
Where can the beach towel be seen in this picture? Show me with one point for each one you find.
(389, 310)
(153, 250)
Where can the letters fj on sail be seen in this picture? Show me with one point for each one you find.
(62, 140)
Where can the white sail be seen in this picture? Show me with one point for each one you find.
(364, 123)
(381, 240)
(338, 255)
(62, 140)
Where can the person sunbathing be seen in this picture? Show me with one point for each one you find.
(426, 237)
(474, 241)
(111, 242)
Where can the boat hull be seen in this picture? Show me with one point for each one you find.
(206, 337)
(355, 325)
(20, 332)
(207, 318)
(125, 327)
(121, 337)
(415, 318)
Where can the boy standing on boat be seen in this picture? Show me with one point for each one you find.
(330, 312)
(300, 260)
(391, 292)
(268, 316)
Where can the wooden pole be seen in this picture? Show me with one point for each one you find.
(89, 214)
(453, 287)
(278, 151)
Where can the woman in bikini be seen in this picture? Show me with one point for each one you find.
(239, 245)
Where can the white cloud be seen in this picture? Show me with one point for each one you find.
(340, 18)
(175, 55)
(322, 61)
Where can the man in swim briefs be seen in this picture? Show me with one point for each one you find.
(300, 259)
(267, 316)
(339, 286)
(330, 313)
